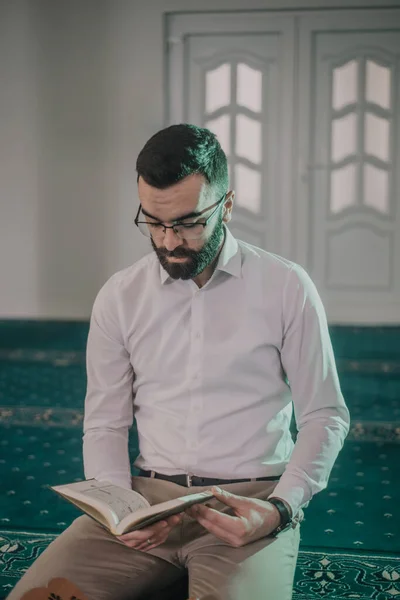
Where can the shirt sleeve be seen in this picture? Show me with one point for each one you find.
(109, 396)
(320, 410)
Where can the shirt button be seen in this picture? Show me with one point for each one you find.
(198, 335)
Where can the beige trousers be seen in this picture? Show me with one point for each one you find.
(105, 569)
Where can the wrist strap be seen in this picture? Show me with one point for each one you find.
(284, 513)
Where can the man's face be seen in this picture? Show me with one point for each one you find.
(181, 258)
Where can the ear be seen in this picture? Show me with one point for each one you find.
(228, 206)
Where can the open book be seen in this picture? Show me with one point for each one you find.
(121, 510)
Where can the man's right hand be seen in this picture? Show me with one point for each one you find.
(150, 537)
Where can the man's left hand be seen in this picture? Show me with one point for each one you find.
(252, 518)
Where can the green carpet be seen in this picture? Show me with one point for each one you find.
(358, 510)
(349, 342)
(319, 574)
(59, 380)
(350, 546)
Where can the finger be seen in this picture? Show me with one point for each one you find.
(224, 526)
(143, 544)
(228, 522)
(136, 544)
(193, 511)
(221, 533)
(175, 519)
(139, 547)
(229, 499)
(190, 512)
(154, 544)
(145, 533)
(139, 539)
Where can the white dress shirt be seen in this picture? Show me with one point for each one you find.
(211, 375)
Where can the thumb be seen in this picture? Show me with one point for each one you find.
(227, 498)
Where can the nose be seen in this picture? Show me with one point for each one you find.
(171, 240)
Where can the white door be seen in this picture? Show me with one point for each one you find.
(306, 106)
(349, 194)
(234, 75)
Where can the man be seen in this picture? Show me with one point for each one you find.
(208, 342)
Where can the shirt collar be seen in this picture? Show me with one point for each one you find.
(229, 259)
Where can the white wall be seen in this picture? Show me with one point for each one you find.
(81, 90)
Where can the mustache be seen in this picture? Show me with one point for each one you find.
(174, 254)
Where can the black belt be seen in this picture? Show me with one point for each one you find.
(189, 480)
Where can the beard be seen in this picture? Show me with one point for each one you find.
(196, 260)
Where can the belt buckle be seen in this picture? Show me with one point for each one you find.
(188, 480)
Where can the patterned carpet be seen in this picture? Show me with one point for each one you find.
(320, 573)
(350, 546)
(359, 509)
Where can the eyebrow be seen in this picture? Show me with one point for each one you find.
(187, 216)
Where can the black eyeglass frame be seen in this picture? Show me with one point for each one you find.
(137, 222)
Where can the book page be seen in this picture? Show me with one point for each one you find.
(121, 501)
(155, 513)
(92, 512)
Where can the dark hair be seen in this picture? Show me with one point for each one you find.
(179, 151)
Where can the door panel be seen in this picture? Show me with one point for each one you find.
(233, 79)
(306, 105)
(351, 223)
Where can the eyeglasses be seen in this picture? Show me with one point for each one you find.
(192, 230)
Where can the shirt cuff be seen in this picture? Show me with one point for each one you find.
(294, 495)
